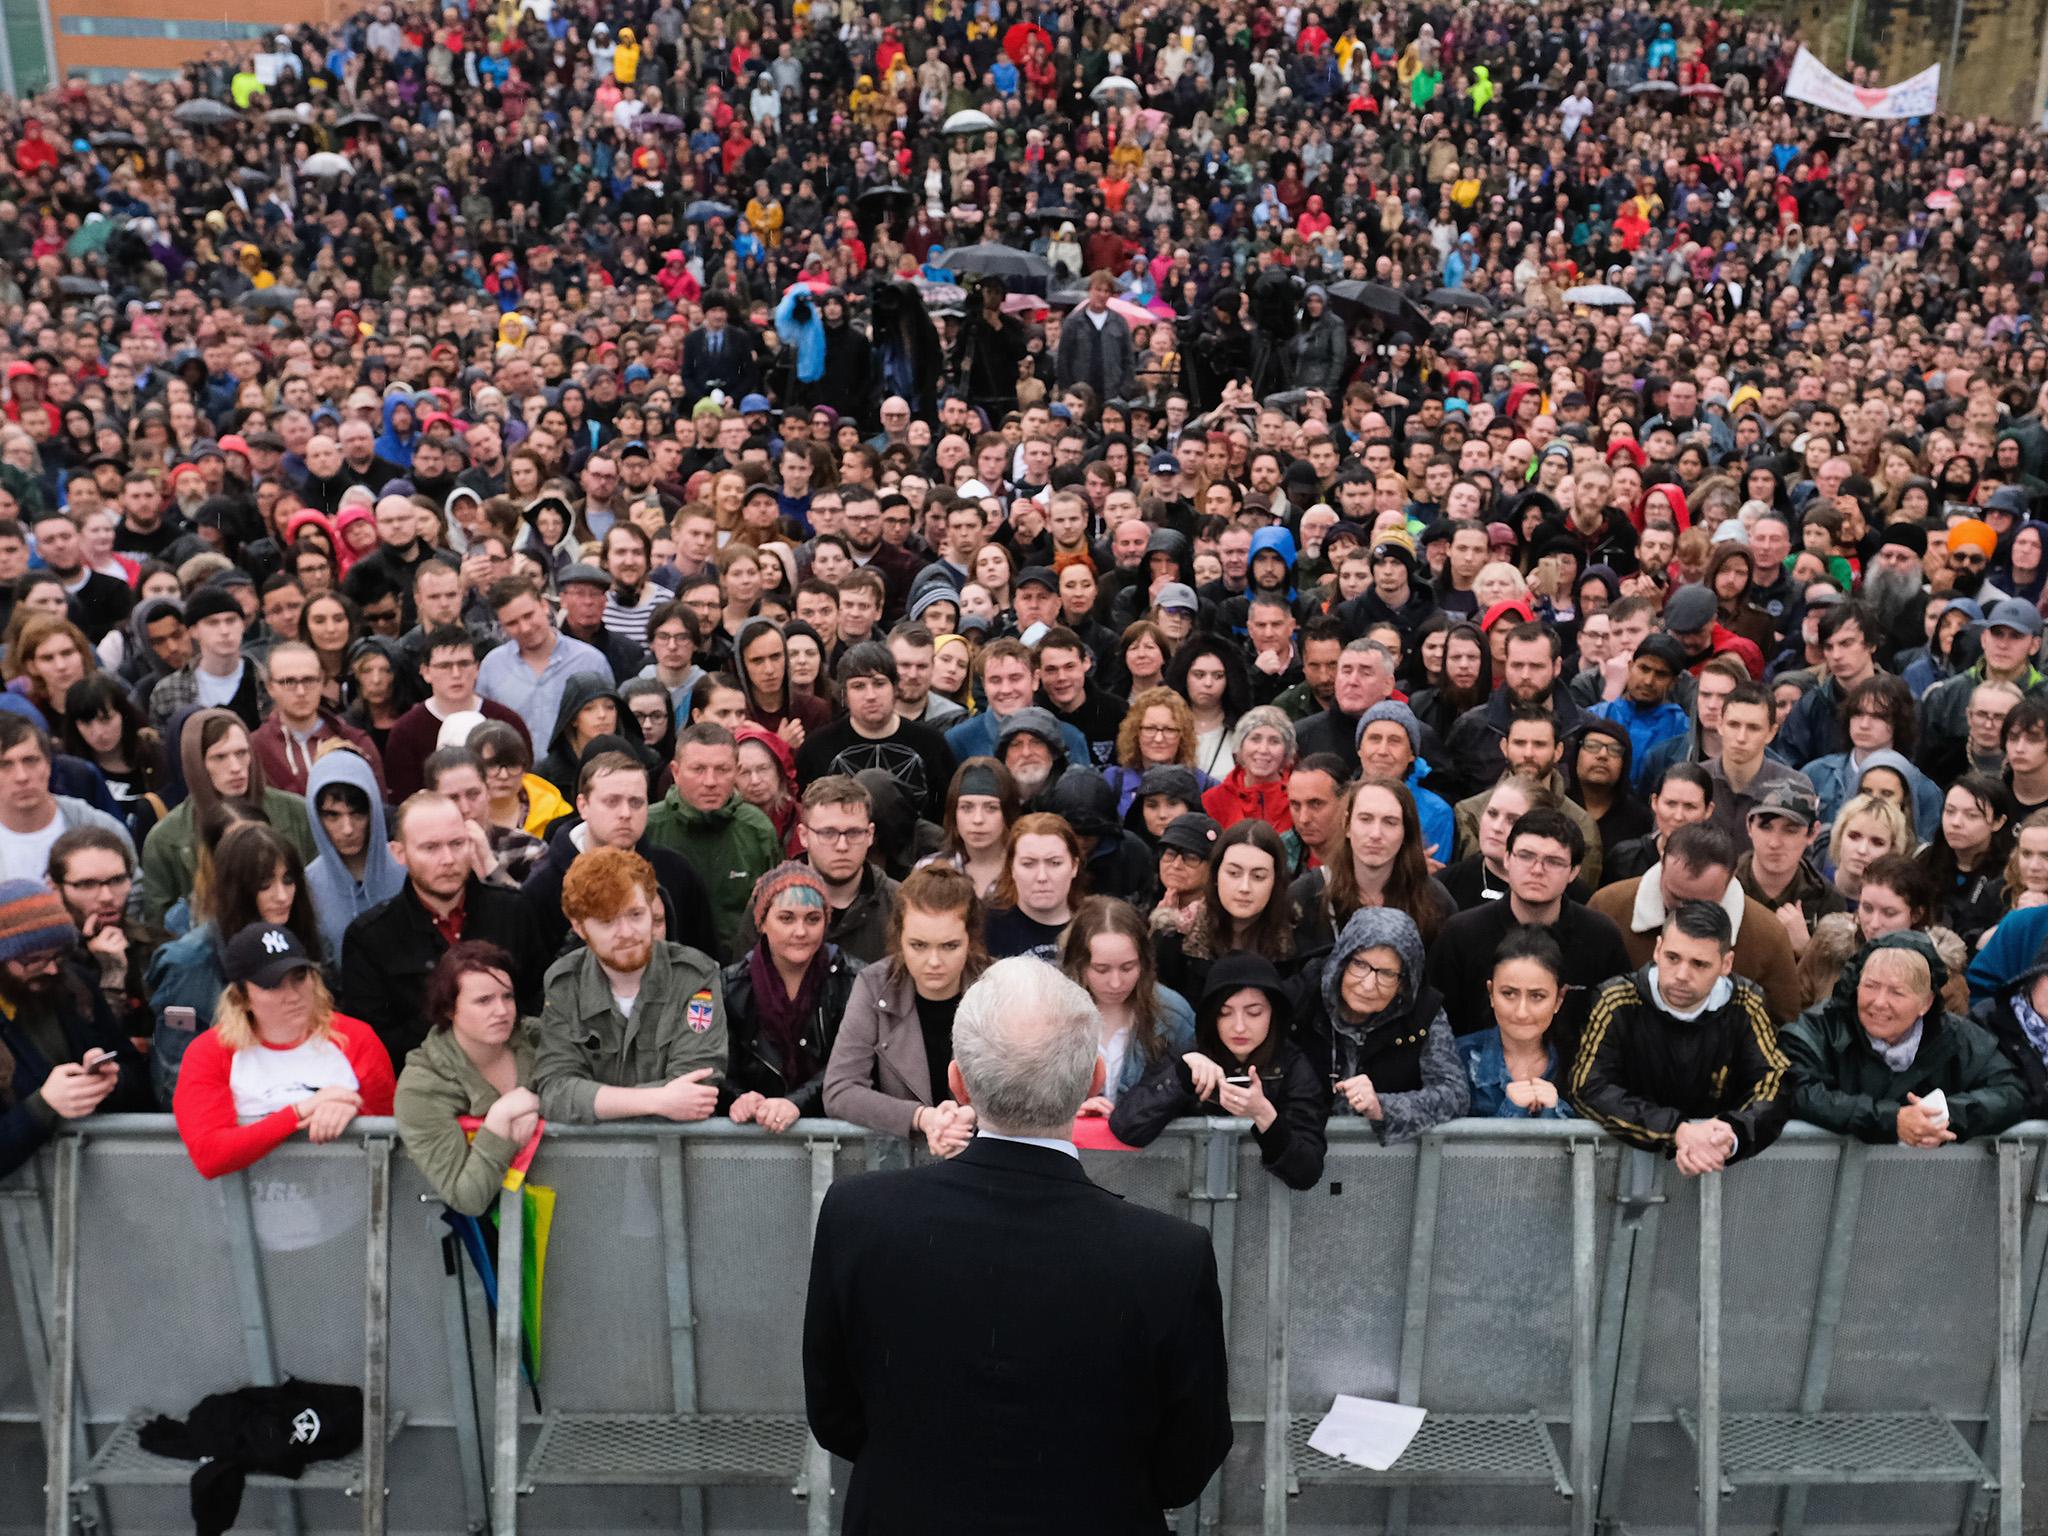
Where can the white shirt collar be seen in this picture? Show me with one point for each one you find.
(1052, 1143)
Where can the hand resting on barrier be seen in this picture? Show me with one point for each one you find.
(1704, 1146)
(756, 1108)
(515, 1116)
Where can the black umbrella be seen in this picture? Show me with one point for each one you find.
(362, 120)
(1654, 88)
(115, 139)
(993, 260)
(273, 297)
(81, 287)
(889, 192)
(1377, 301)
(250, 176)
(1053, 213)
(1458, 298)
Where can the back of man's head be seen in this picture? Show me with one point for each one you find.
(1024, 1040)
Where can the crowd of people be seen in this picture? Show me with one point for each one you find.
(1449, 561)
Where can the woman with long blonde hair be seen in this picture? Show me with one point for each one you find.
(278, 1060)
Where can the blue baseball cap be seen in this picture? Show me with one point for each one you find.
(755, 403)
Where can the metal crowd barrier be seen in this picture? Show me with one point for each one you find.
(1832, 1337)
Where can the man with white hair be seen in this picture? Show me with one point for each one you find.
(1008, 1247)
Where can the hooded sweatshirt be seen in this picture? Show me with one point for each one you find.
(563, 761)
(1293, 1146)
(340, 897)
(1405, 1048)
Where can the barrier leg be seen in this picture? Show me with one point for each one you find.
(469, 1440)
(1977, 1516)
(25, 1239)
(1429, 1164)
(682, 1314)
(817, 1485)
(376, 1334)
(247, 1269)
(1585, 1496)
(1279, 1423)
(505, 1427)
(2011, 1424)
(1843, 1215)
(63, 1328)
(1219, 1199)
(1709, 1519)
(1631, 1259)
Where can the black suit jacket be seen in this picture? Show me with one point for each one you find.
(999, 1346)
(733, 369)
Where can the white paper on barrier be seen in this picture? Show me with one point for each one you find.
(1365, 1432)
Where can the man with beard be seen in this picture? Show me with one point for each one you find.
(442, 903)
(2011, 637)
(1971, 546)
(1009, 680)
(66, 1054)
(633, 1026)
(1895, 585)
(632, 598)
(93, 870)
(1600, 759)
(1031, 746)
(897, 566)
(1530, 676)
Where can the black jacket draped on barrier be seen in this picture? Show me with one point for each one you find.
(999, 1346)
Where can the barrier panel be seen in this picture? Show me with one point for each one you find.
(1831, 1338)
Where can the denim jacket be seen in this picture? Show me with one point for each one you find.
(1486, 1067)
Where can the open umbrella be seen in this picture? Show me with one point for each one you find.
(1706, 90)
(1115, 88)
(81, 287)
(1067, 298)
(1018, 40)
(992, 260)
(325, 164)
(708, 208)
(115, 139)
(1023, 304)
(1367, 300)
(1458, 298)
(1053, 213)
(203, 113)
(938, 295)
(658, 122)
(1598, 295)
(367, 120)
(893, 192)
(1136, 314)
(252, 177)
(969, 121)
(284, 117)
(93, 235)
(1654, 88)
(274, 297)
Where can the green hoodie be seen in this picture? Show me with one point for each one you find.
(730, 848)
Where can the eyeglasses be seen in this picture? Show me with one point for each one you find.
(1594, 748)
(1158, 730)
(294, 682)
(1551, 863)
(500, 765)
(1385, 976)
(452, 664)
(839, 837)
(104, 887)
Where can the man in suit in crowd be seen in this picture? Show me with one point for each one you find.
(719, 356)
(995, 1343)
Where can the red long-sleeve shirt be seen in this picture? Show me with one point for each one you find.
(236, 1107)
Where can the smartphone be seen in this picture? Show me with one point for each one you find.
(182, 1019)
(1239, 1082)
(97, 1060)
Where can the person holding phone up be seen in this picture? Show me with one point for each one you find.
(1243, 1065)
(62, 1055)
